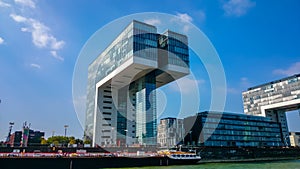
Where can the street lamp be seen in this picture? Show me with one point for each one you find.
(66, 126)
(190, 136)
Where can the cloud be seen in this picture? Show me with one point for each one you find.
(245, 82)
(153, 21)
(33, 65)
(4, 4)
(237, 7)
(293, 69)
(28, 3)
(41, 36)
(56, 56)
(18, 18)
(1, 40)
(184, 17)
(186, 85)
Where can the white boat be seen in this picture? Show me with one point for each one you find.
(180, 156)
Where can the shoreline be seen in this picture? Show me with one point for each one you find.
(203, 161)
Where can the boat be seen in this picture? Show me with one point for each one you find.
(97, 160)
(181, 157)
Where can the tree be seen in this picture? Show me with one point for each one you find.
(72, 141)
(61, 140)
(44, 141)
(79, 141)
(87, 142)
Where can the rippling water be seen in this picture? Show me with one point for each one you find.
(289, 164)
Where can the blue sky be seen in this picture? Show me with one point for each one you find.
(257, 42)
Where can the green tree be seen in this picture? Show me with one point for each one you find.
(79, 141)
(72, 141)
(87, 142)
(44, 141)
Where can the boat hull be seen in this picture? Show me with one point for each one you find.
(91, 163)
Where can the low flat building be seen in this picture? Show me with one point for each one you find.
(170, 132)
(231, 129)
(295, 139)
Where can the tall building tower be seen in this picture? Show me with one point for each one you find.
(273, 100)
(121, 97)
(170, 132)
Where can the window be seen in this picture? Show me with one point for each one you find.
(107, 113)
(107, 96)
(106, 118)
(105, 136)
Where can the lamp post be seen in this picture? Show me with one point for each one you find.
(125, 142)
(190, 136)
(66, 127)
(112, 136)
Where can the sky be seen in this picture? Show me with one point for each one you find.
(40, 41)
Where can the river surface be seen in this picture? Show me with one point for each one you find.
(285, 164)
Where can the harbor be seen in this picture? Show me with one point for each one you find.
(93, 158)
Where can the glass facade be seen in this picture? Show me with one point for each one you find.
(283, 90)
(176, 45)
(231, 129)
(273, 100)
(127, 115)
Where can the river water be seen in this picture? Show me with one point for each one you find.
(287, 164)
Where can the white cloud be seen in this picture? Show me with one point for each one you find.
(56, 44)
(4, 4)
(245, 82)
(41, 36)
(24, 29)
(293, 69)
(155, 22)
(33, 65)
(1, 40)
(18, 18)
(56, 56)
(184, 17)
(237, 7)
(28, 3)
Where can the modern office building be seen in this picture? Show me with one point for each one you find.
(273, 100)
(170, 132)
(15, 139)
(121, 99)
(231, 129)
(295, 139)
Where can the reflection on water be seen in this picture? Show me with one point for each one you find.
(288, 164)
